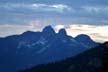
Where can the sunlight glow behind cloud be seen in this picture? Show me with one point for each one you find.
(98, 33)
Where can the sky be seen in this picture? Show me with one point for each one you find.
(76, 16)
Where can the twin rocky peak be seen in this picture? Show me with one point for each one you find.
(50, 30)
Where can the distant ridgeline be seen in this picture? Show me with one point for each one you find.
(94, 60)
(18, 52)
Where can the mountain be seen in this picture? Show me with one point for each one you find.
(86, 41)
(94, 60)
(33, 48)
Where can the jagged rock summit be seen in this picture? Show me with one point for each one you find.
(48, 30)
(62, 32)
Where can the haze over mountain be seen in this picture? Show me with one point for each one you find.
(32, 48)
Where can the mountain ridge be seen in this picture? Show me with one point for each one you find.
(33, 48)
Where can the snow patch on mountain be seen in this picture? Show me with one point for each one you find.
(42, 41)
(42, 49)
(21, 43)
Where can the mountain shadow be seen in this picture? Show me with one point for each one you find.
(93, 60)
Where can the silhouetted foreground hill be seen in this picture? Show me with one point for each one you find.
(94, 60)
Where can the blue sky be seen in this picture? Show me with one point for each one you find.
(17, 16)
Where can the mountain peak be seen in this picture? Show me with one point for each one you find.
(83, 37)
(48, 30)
(86, 40)
(28, 33)
(62, 32)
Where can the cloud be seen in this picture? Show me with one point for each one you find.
(7, 29)
(37, 25)
(96, 32)
(58, 27)
(20, 13)
(96, 9)
(12, 29)
(37, 7)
